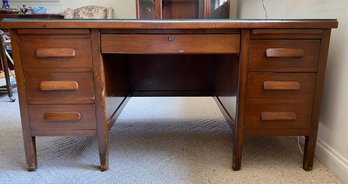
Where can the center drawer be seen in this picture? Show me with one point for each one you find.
(171, 43)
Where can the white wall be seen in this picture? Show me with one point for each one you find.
(123, 8)
(333, 129)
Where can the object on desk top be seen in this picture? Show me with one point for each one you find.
(8, 11)
(5, 4)
(38, 10)
(89, 12)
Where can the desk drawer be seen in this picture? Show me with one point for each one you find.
(62, 52)
(62, 118)
(278, 115)
(266, 54)
(59, 87)
(281, 85)
(170, 43)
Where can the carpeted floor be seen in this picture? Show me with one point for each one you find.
(155, 140)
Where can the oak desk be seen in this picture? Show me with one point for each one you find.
(75, 76)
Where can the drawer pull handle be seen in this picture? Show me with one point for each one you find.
(59, 86)
(55, 52)
(62, 116)
(281, 85)
(278, 116)
(284, 53)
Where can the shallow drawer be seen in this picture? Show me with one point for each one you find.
(268, 54)
(61, 52)
(281, 85)
(62, 118)
(157, 44)
(278, 115)
(59, 87)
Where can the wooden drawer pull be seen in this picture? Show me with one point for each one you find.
(284, 53)
(55, 52)
(278, 116)
(59, 86)
(62, 116)
(281, 85)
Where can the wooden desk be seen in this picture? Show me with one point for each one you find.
(75, 77)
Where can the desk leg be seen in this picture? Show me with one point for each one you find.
(104, 151)
(30, 152)
(237, 152)
(309, 151)
(99, 82)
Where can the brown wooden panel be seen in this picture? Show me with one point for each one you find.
(65, 95)
(180, 44)
(286, 31)
(172, 72)
(30, 47)
(53, 31)
(281, 85)
(277, 115)
(49, 117)
(258, 60)
(55, 52)
(63, 132)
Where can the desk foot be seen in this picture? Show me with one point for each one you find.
(236, 167)
(309, 152)
(30, 152)
(104, 168)
(104, 152)
(31, 168)
(237, 153)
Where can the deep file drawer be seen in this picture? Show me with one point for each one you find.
(62, 119)
(176, 43)
(278, 115)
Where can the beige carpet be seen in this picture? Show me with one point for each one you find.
(156, 140)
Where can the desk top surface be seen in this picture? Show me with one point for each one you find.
(16, 23)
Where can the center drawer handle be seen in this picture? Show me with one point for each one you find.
(62, 116)
(278, 116)
(281, 85)
(59, 86)
(55, 52)
(284, 53)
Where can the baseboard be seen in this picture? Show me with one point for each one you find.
(332, 160)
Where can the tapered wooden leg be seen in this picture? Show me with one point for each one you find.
(30, 152)
(309, 152)
(104, 151)
(237, 152)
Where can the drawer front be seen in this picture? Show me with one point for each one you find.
(62, 117)
(281, 85)
(278, 115)
(62, 52)
(265, 54)
(158, 44)
(59, 87)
